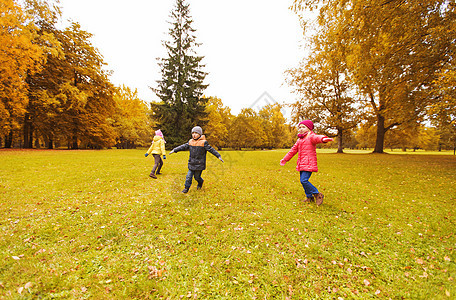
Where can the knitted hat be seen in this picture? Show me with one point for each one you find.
(159, 133)
(308, 123)
(198, 130)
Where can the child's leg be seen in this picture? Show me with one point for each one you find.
(156, 162)
(152, 173)
(160, 164)
(308, 187)
(198, 178)
(188, 179)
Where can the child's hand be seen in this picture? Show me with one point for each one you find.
(164, 156)
(327, 139)
(146, 155)
(282, 162)
(221, 159)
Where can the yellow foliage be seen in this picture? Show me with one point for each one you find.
(19, 56)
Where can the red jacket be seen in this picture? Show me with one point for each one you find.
(307, 153)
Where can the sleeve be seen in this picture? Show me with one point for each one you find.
(182, 147)
(150, 148)
(162, 147)
(292, 152)
(318, 139)
(211, 150)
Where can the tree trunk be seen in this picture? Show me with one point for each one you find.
(340, 134)
(28, 132)
(380, 134)
(9, 139)
(75, 139)
(50, 144)
(454, 147)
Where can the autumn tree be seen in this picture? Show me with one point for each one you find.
(219, 121)
(394, 51)
(72, 95)
(276, 133)
(19, 56)
(181, 88)
(45, 18)
(247, 130)
(443, 111)
(131, 122)
(327, 96)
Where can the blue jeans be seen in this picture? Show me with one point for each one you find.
(308, 187)
(190, 175)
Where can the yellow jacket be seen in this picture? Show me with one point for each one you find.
(158, 146)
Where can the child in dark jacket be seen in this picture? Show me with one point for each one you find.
(198, 147)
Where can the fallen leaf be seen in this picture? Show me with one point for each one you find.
(419, 261)
(366, 282)
(447, 258)
(15, 257)
(28, 285)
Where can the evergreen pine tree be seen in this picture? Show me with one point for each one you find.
(180, 90)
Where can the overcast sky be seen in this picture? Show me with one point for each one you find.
(247, 44)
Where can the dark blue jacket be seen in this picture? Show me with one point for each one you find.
(198, 149)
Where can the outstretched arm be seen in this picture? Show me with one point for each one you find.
(327, 139)
(182, 147)
(290, 154)
(212, 151)
(317, 139)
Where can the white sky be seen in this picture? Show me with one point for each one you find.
(247, 44)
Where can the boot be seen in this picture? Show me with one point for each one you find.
(309, 199)
(319, 198)
(185, 191)
(152, 175)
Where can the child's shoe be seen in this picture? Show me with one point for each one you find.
(319, 198)
(309, 199)
(185, 191)
(152, 175)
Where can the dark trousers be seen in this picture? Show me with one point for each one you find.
(190, 175)
(158, 164)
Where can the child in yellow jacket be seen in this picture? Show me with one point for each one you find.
(157, 149)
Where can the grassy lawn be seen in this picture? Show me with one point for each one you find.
(93, 225)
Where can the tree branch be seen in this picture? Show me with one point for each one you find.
(392, 125)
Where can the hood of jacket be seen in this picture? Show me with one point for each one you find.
(202, 137)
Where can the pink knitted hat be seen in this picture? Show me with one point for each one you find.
(308, 123)
(160, 133)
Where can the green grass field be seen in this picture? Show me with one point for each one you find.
(93, 225)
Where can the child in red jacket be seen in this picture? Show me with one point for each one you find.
(305, 146)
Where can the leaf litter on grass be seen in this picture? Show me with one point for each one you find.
(113, 232)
